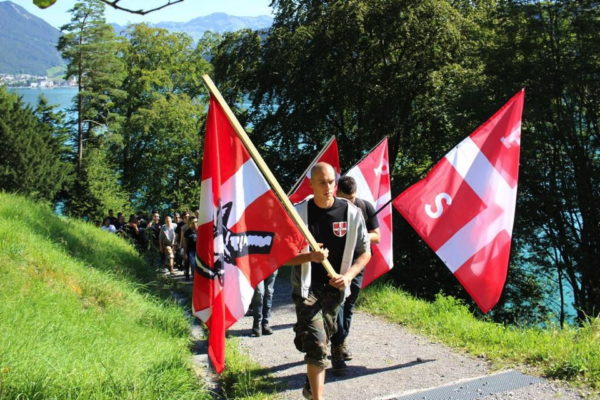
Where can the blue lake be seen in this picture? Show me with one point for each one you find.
(59, 96)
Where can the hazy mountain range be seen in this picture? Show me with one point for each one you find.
(28, 43)
(217, 22)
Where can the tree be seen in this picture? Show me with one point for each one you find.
(361, 70)
(31, 150)
(159, 155)
(552, 49)
(91, 48)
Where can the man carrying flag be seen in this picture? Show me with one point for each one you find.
(244, 233)
(339, 226)
(465, 207)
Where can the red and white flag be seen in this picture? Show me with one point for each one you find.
(329, 154)
(465, 207)
(244, 233)
(372, 176)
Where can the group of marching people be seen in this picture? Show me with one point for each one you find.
(174, 238)
(343, 224)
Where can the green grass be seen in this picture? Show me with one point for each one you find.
(571, 354)
(75, 321)
(244, 379)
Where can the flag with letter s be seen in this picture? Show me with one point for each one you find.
(464, 208)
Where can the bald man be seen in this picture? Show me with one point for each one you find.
(339, 226)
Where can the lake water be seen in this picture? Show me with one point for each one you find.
(59, 96)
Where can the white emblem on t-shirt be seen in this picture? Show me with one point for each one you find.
(340, 228)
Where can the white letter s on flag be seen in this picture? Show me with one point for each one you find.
(439, 208)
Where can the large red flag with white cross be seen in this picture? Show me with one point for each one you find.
(244, 233)
(328, 154)
(465, 207)
(372, 176)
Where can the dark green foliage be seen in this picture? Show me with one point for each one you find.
(426, 74)
(552, 49)
(91, 49)
(30, 154)
(159, 147)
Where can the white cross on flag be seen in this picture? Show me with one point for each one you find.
(329, 154)
(465, 207)
(372, 176)
(244, 233)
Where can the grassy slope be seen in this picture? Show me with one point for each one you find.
(74, 324)
(572, 354)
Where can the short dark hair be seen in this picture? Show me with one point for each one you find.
(347, 185)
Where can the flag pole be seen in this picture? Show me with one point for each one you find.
(266, 171)
(383, 206)
(299, 181)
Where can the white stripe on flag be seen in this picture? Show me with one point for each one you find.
(362, 187)
(495, 192)
(382, 200)
(206, 202)
(243, 195)
(237, 291)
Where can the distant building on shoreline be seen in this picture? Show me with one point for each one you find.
(34, 81)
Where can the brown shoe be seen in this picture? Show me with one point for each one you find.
(346, 354)
(267, 330)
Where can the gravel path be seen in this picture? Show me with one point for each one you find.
(389, 361)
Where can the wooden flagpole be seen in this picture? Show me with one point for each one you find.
(310, 165)
(266, 171)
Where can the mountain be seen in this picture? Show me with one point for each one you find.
(217, 22)
(27, 43)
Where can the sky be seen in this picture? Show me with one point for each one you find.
(57, 14)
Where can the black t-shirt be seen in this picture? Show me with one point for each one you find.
(178, 229)
(190, 235)
(368, 212)
(328, 226)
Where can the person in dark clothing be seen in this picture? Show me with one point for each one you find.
(339, 226)
(190, 235)
(111, 216)
(339, 349)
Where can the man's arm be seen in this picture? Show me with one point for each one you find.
(374, 236)
(310, 256)
(372, 223)
(343, 281)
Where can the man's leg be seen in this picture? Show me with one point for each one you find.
(348, 312)
(256, 304)
(316, 378)
(312, 339)
(269, 284)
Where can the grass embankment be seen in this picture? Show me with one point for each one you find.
(571, 354)
(74, 323)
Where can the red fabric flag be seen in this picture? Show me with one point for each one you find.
(372, 176)
(465, 207)
(328, 154)
(244, 233)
